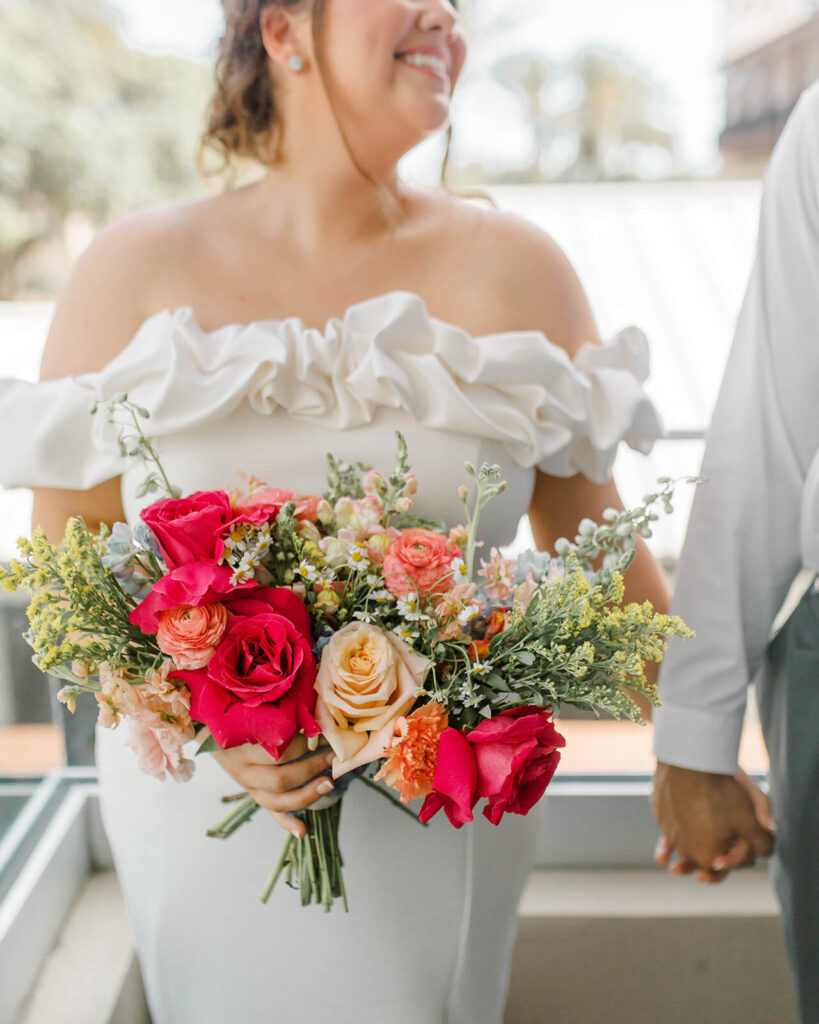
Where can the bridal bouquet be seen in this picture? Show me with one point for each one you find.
(260, 615)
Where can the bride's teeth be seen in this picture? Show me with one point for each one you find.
(424, 60)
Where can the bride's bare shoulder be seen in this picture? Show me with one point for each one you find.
(527, 281)
(113, 284)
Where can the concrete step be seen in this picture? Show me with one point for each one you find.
(593, 947)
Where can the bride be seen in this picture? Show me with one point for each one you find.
(321, 308)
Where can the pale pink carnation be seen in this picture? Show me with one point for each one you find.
(157, 695)
(158, 746)
(499, 574)
(112, 698)
(163, 695)
(191, 634)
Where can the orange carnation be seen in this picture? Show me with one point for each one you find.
(414, 752)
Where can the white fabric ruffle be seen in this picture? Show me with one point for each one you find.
(514, 387)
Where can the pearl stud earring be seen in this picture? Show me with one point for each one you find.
(295, 62)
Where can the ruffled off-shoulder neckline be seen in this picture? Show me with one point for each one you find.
(515, 387)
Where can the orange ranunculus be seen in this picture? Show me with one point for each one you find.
(190, 634)
(414, 752)
(419, 561)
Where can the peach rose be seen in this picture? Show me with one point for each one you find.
(367, 679)
(190, 634)
(419, 560)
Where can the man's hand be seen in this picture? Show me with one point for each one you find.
(713, 822)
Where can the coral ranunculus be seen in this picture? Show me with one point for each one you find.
(419, 560)
(258, 686)
(189, 634)
(517, 754)
(414, 752)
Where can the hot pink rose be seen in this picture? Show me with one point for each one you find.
(516, 753)
(419, 560)
(190, 634)
(258, 686)
(196, 584)
(187, 529)
(190, 530)
(455, 781)
(270, 501)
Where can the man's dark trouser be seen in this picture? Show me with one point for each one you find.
(789, 708)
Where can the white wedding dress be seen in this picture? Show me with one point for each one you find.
(432, 919)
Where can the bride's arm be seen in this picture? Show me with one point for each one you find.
(98, 313)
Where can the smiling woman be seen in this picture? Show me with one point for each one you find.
(245, 118)
(321, 308)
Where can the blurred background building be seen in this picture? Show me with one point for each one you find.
(772, 55)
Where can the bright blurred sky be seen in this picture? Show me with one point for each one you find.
(679, 42)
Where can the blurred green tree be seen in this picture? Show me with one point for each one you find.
(601, 102)
(87, 124)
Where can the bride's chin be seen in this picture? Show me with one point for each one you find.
(432, 119)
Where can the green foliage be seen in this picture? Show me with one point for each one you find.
(78, 613)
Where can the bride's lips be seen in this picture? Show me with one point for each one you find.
(441, 62)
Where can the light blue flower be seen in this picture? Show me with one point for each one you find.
(537, 563)
(144, 536)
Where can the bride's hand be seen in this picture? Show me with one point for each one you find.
(283, 785)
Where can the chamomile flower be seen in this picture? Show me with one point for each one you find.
(408, 608)
(406, 633)
(469, 614)
(358, 558)
(460, 573)
(308, 572)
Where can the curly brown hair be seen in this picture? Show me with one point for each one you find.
(243, 116)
